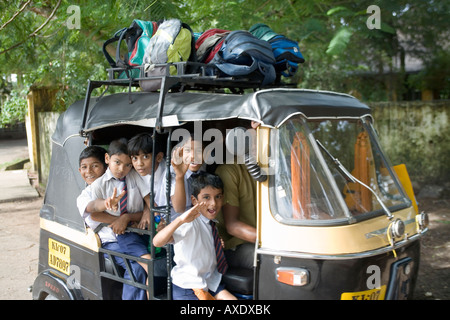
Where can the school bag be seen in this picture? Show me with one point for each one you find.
(137, 38)
(262, 31)
(208, 43)
(173, 42)
(286, 51)
(242, 55)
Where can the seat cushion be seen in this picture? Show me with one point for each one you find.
(239, 280)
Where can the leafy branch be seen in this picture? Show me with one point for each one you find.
(35, 32)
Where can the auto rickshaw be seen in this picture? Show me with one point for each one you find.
(335, 219)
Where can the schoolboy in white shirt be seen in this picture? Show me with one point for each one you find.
(198, 271)
(108, 207)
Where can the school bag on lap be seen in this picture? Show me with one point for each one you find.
(286, 51)
(137, 38)
(242, 55)
(173, 42)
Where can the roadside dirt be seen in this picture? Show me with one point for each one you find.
(19, 245)
(434, 272)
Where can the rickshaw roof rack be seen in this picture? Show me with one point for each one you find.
(193, 76)
(189, 76)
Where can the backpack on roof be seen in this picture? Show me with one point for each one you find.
(208, 43)
(173, 42)
(137, 38)
(242, 55)
(286, 51)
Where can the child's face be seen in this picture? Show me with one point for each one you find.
(213, 198)
(142, 162)
(193, 155)
(119, 164)
(90, 169)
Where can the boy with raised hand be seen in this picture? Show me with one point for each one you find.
(198, 252)
(106, 208)
(187, 160)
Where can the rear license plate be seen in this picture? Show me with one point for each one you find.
(59, 256)
(373, 294)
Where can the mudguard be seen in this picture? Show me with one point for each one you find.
(48, 283)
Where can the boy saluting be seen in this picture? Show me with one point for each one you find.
(198, 253)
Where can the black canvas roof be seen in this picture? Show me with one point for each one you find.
(270, 107)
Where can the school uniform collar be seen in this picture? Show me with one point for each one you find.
(109, 175)
(189, 173)
(206, 220)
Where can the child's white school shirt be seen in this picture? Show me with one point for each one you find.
(106, 234)
(159, 187)
(103, 188)
(195, 256)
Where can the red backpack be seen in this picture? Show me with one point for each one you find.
(209, 43)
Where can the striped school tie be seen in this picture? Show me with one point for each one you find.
(123, 201)
(222, 265)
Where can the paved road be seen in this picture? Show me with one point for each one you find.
(19, 247)
(19, 224)
(15, 184)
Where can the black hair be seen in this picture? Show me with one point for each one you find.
(142, 142)
(93, 152)
(118, 146)
(204, 179)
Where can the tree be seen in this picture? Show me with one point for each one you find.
(39, 43)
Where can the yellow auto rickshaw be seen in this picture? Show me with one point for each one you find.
(335, 219)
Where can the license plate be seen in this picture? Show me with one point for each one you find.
(59, 256)
(373, 294)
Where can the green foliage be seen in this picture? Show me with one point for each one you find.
(340, 41)
(14, 109)
(339, 49)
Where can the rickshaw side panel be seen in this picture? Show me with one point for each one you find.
(73, 273)
(64, 185)
(329, 279)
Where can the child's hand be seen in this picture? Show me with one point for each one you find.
(177, 162)
(112, 203)
(193, 213)
(120, 224)
(145, 219)
(161, 225)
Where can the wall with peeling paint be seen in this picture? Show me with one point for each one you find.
(416, 133)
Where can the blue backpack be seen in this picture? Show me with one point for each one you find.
(242, 55)
(287, 55)
(286, 51)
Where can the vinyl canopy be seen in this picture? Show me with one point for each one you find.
(269, 107)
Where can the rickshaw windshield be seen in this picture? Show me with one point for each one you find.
(301, 188)
(308, 187)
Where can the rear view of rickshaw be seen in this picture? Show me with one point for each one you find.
(335, 220)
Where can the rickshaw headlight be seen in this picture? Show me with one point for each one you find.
(397, 228)
(292, 276)
(423, 220)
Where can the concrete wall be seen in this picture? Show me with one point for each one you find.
(47, 125)
(416, 133)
